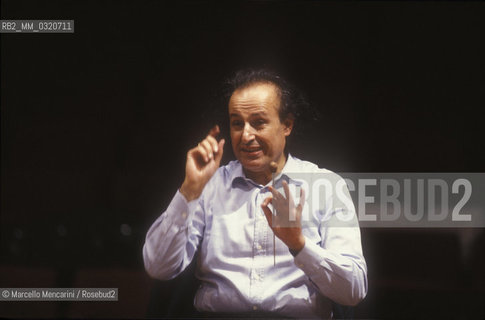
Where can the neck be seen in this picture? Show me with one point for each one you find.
(264, 177)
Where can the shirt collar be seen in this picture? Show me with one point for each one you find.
(236, 175)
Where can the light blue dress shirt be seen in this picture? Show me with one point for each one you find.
(235, 243)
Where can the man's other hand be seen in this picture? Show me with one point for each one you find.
(286, 225)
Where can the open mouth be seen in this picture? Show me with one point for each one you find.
(252, 151)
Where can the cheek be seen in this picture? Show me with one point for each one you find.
(273, 143)
(266, 143)
(235, 137)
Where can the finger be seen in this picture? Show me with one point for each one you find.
(287, 192)
(214, 131)
(202, 152)
(302, 198)
(213, 142)
(287, 189)
(221, 150)
(267, 211)
(276, 194)
(208, 148)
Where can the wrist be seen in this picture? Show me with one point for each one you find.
(188, 192)
(297, 246)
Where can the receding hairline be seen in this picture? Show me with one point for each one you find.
(278, 91)
(258, 82)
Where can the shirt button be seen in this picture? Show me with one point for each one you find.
(256, 276)
(184, 214)
(259, 247)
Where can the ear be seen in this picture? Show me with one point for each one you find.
(288, 124)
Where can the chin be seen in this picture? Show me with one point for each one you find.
(253, 164)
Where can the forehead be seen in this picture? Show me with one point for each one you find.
(258, 96)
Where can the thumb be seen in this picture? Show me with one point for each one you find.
(267, 211)
(218, 155)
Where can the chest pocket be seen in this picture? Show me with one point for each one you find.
(229, 233)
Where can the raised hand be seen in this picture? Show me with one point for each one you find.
(286, 225)
(202, 163)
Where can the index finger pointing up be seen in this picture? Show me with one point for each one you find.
(214, 131)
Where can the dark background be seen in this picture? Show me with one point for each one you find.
(95, 126)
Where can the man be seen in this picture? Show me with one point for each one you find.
(226, 214)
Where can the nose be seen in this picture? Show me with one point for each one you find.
(248, 134)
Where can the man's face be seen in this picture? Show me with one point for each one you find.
(258, 136)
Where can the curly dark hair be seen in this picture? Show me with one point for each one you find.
(289, 99)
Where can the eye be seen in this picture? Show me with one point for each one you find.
(237, 123)
(259, 123)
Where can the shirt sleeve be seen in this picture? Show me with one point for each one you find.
(336, 265)
(172, 240)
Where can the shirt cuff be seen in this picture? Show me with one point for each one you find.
(311, 258)
(180, 211)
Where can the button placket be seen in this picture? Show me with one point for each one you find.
(254, 277)
(259, 248)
